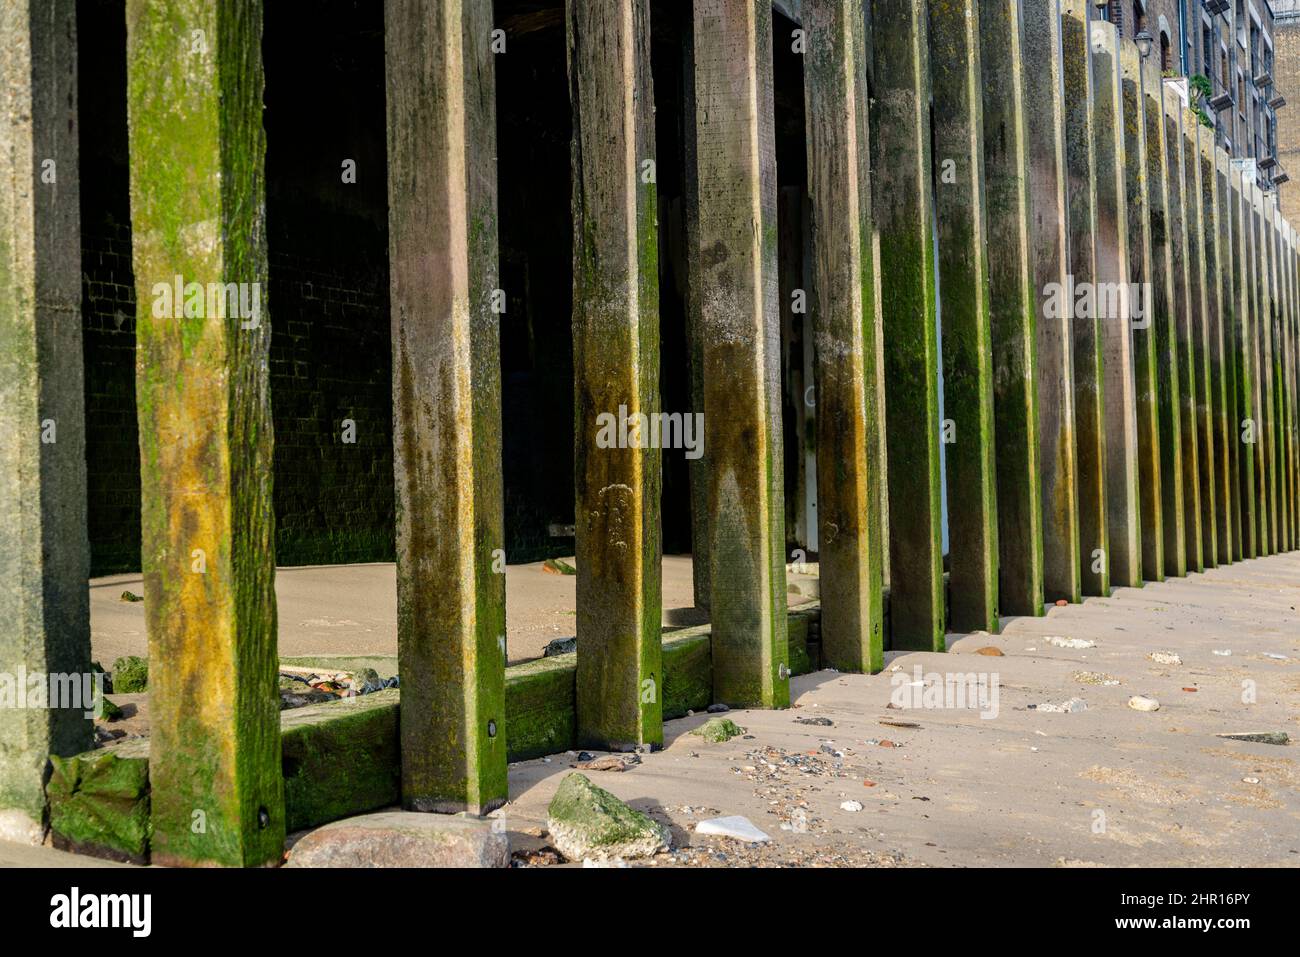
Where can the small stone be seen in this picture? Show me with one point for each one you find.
(990, 651)
(404, 839)
(1223, 653)
(130, 596)
(1275, 657)
(560, 646)
(819, 722)
(586, 756)
(1165, 658)
(733, 826)
(588, 823)
(717, 730)
(850, 805)
(1140, 702)
(718, 708)
(130, 675)
(1061, 603)
(609, 762)
(1250, 780)
(1060, 642)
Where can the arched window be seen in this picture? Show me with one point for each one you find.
(1166, 54)
(1139, 18)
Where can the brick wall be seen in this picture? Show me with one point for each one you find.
(331, 362)
(112, 438)
(1286, 79)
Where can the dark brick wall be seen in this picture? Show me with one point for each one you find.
(330, 362)
(112, 438)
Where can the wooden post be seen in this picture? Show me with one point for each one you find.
(1045, 140)
(1116, 316)
(1214, 469)
(1138, 199)
(1229, 317)
(847, 375)
(1013, 308)
(1247, 375)
(1090, 404)
(44, 553)
(1196, 403)
(740, 334)
(446, 404)
(194, 76)
(1266, 377)
(1279, 374)
(1164, 323)
(963, 269)
(616, 374)
(1180, 346)
(903, 211)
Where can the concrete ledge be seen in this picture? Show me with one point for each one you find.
(343, 758)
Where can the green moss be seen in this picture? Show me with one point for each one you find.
(598, 820)
(717, 730)
(130, 675)
(99, 804)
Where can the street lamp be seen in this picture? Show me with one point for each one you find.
(1143, 41)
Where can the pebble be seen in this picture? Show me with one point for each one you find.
(990, 651)
(1165, 658)
(1142, 703)
(718, 708)
(1224, 653)
(1250, 780)
(850, 805)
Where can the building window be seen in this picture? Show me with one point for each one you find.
(1166, 55)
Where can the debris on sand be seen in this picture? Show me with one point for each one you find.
(1141, 702)
(1165, 658)
(1259, 737)
(733, 826)
(1060, 642)
(717, 730)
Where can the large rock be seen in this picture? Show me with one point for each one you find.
(589, 823)
(405, 839)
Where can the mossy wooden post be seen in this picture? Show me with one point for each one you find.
(1229, 313)
(194, 103)
(616, 374)
(1196, 405)
(1013, 308)
(1266, 384)
(740, 334)
(1179, 347)
(903, 212)
(1259, 330)
(1289, 369)
(1085, 326)
(1165, 300)
(1278, 405)
(1045, 144)
(1244, 358)
(1214, 469)
(1147, 268)
(44, 554)
(1117, 309)
(442, 202)
(963, 270)
(697, 469)
(847, 375)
